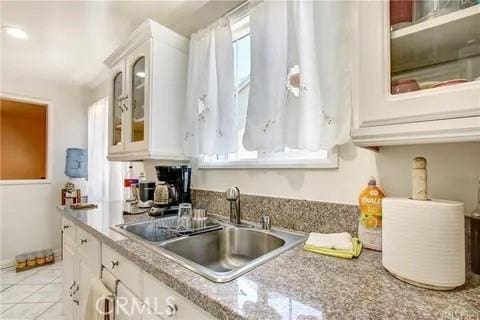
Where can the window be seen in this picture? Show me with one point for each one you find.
(244, 158)
(24, 140)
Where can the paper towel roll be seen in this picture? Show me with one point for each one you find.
(424, 241)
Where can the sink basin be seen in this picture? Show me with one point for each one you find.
(220, 255)
(225, 250)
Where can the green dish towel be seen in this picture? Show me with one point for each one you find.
(356, 249)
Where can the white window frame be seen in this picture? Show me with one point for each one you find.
(48, 169)
(267, 161)
(331, 162)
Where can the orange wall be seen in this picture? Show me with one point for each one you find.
(23, 137)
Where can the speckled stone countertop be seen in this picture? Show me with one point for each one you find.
(295, 285)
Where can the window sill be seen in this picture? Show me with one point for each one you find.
(330, 163)
(24, 182)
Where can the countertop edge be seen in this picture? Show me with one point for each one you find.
(213, 307)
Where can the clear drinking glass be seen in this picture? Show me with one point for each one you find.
(184, 220)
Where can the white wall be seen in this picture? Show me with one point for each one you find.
(453, 170)
(28, 219)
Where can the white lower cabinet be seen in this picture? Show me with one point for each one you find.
(128, 305)
(68, 277)
(139, 295)
(81, 264)
(127, 272)
(151, 315)
(169, 304)
(137, 290)
(85, 275)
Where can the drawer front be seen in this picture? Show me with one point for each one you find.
(69, 229)
(89, 248)
(169, 304)
(149, 314)
(122, 269)
(128, 306)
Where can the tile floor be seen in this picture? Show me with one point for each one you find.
(32, 294)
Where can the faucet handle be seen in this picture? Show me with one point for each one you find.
(232, 194)
(266, 222)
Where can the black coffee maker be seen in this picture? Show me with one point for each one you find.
(177, 179)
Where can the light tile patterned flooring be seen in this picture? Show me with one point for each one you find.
(33, 294)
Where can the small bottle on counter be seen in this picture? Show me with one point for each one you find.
(475, 235)
(129, 180)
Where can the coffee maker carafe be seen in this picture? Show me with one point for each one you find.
(174, 180)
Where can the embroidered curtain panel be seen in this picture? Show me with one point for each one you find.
(105, 178)
(300, 93)
(210, 110)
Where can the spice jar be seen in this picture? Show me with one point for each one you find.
(40, 259)
(21, 262)
(31, 260)
(49, 256)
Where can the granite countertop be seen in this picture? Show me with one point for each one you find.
(295, 285)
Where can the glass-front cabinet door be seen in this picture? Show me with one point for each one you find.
(118, 106)
(117, 109)
(138, 82)
(138, 100)
(418, 60)
(433, 44)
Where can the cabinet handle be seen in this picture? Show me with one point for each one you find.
(114, 264)
(66, 226)
(125, 106)
(171, 310)
(76, 301)
(71, 288)
(83, 241)
(76, 290)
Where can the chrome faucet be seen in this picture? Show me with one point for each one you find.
(233, 195)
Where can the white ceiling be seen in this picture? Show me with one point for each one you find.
(68, 40)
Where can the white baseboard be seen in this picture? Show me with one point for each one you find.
(10, 262)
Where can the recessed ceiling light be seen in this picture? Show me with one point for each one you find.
(140, 74)
(15, 32)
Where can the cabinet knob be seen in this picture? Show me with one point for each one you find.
(114, 264)
(83, 241)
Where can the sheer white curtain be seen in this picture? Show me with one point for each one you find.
(300, 93)
(210, 126)
(104, 177)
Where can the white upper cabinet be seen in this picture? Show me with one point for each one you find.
(417, 80)
(147, 86)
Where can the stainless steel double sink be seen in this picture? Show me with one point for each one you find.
(221, 253)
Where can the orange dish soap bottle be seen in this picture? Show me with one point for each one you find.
(370, 224)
